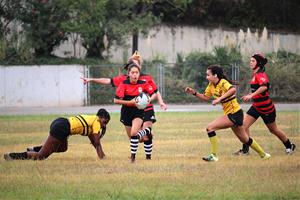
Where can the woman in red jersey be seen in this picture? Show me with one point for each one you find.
(131, 116)
(149, 115)
(262, 105)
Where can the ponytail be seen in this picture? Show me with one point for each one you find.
(219, 72)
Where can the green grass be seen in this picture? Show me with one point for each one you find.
(176, 171)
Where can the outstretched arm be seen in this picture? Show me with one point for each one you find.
(95, 140)
(103, 81)
(190, 90)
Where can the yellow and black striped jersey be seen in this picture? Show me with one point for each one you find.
(230, 104)
(84, 125)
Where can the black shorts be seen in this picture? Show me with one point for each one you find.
(130, 113)
(237, 118)
(267, 118)
(149, 116)
(60, 128)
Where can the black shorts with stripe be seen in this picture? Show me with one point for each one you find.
(149, 115)
(267, 118)
(60, 128)
(237, 118)
(130, 113)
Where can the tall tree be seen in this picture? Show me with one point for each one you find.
(42, 21)
(102, 23)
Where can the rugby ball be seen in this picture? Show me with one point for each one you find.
(142, 101)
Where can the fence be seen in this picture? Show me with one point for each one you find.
(171, 80)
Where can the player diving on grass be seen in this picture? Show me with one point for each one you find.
(93, 126)
(149, 115)
(223, 92)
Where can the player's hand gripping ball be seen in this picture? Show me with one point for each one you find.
(142, 101)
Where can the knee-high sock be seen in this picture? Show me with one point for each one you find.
(256, 147)
(148, 148)
(213, 142)
(144, 132)
(134, 144)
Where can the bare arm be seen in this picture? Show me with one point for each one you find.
(230, 92)
(95, 140)
(161, 101)
(198, 95)
(248, 97)
(124, 102)
(154, 96)
(103, 81)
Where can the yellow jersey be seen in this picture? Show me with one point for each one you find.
(84, 125)
(230, 104)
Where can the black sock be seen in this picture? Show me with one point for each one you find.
(134, 144)
(37, 148)
(245, 148)
(287, 144)
(19, 156)
(148, 148)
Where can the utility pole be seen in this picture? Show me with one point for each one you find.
(135, 41)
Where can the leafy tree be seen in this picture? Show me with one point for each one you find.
(8, 11)
(42, 21)
(103, 23)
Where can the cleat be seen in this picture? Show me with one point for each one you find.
(148, 157)
(132, 158)
(210, 158)
(290, 151)
(266, 156)
(241, 152)
(7, 156)
(15, 156)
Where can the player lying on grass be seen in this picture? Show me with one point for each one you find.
(223, 92)
(61, 129)
(131, 116)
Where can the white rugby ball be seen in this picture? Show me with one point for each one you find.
(142, 101)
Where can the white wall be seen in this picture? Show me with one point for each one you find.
(41, 86)
(168, 41)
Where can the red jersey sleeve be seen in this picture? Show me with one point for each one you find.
(117, 80)
(152, 84)
(120, 91)
(148, 88)
(261, 79)
(148, 78)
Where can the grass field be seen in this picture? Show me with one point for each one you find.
(175, 172)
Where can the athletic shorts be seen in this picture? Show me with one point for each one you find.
(267, 118)
(60, 129)
(130, 113)
(237, 118)
(149, 116)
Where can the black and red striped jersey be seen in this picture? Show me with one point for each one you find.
(127, 90)
(117, 80)
(262, 101)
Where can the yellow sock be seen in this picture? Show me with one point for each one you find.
(256, 147)
(213, 142)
